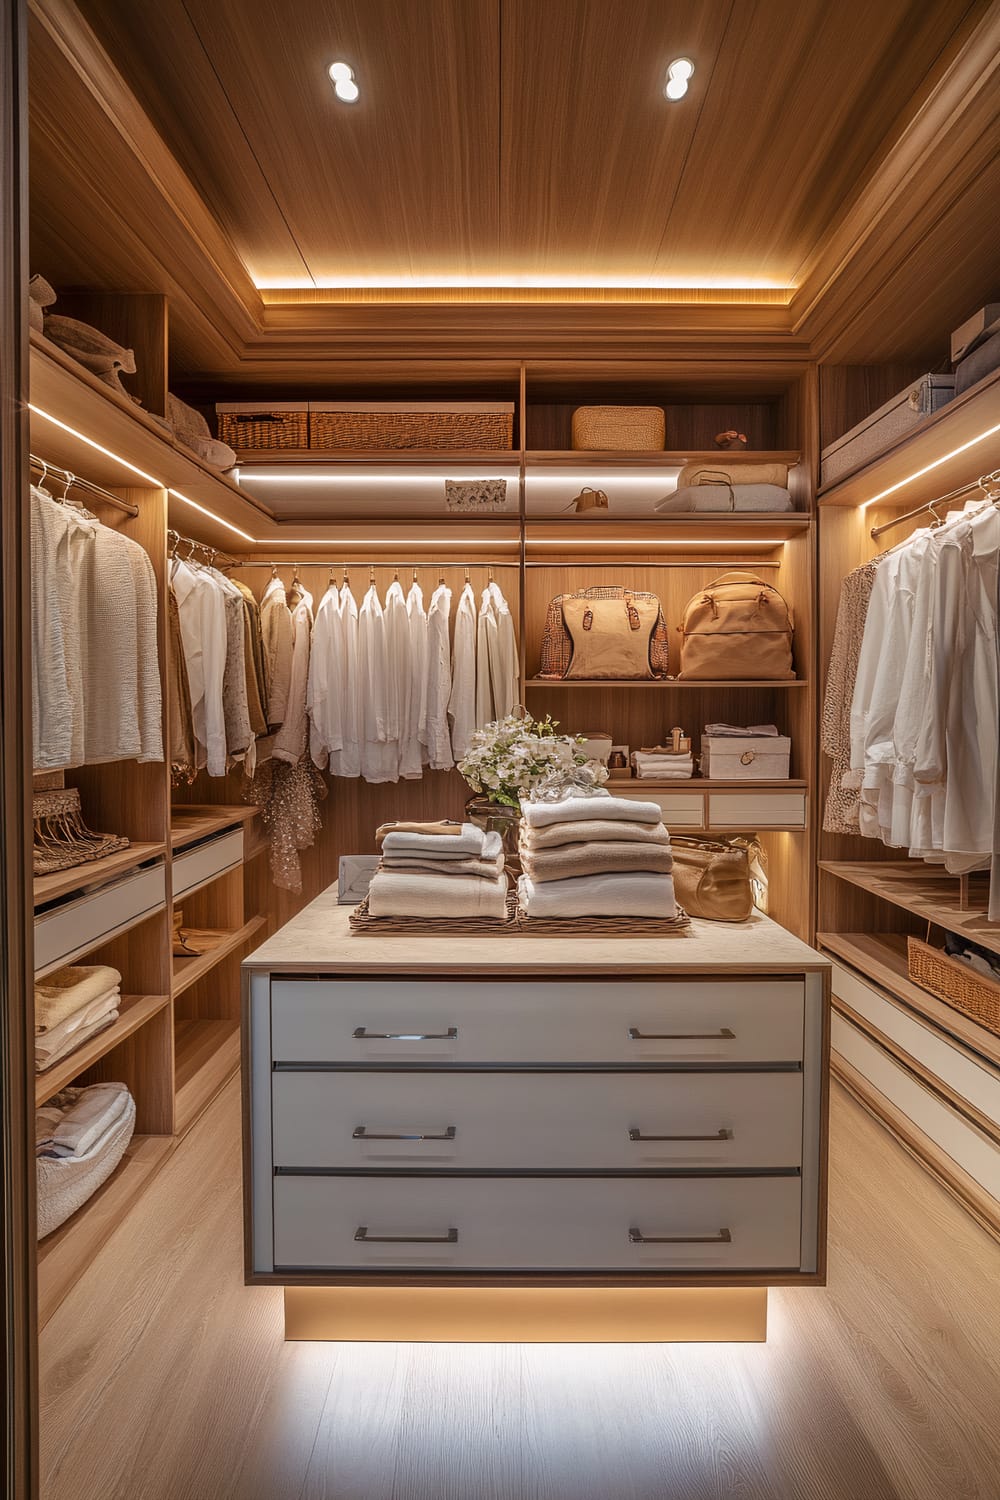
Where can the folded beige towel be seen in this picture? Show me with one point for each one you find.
(393, 893)
(599, 896)
(597, 859)
(429, 852)
(486, 869)
(70, 989)
(593, 830)
(573, 809)
(435, 830)
(470, 840)
(47, 1053)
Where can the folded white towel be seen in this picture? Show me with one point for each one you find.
(59, 1040)
(632, 895)
(740, 731)
(47, 1057)
(573, 809)
(597, 830)
(94, 1113)
(471, 840)
(394, 893)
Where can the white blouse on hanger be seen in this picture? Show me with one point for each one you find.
(347, 761)
(378, 755)
(504, 675)
(438, 737)
(202, 612)
(397, 664)
(462, 703)
(413, 741)
(324, 697)
(486, 650)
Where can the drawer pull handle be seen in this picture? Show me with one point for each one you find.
(450, 1237)
(636, 1237)
(362, 1034)
(722, 1035)
(714, 1135)
(362, 1133)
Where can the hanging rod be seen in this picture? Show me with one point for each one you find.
(316, 562)
(74, 481)
(175, 538)
(929, 505)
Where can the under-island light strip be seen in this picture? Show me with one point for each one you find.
(929, 468)
(396, 541)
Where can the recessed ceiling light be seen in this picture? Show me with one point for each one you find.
(342, 78)
(678, 73)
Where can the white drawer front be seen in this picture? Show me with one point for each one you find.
(757, 809)
(552, 1121)
(68, 931)
(577, 1224)
(630, 1021)
(200, 865)
(952, 1064)
(680, 809)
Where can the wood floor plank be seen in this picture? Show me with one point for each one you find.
(164, 1378)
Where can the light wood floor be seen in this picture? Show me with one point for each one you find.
(164, 1378)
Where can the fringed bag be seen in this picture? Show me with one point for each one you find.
(62, 839)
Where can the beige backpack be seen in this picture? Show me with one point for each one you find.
(739, 628)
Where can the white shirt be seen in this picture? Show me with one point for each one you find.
(378, 755)
(202, 610)
(397, 670)
(462, 703)
(486, 630)
(504, 673)
(438, 738)
(413, 740)
(324, 696)
(347, 761)
(290, 744)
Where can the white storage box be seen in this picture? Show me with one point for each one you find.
(763, 757)
(975, 330)
(886, 426)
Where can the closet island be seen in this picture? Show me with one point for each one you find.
(533, 1137)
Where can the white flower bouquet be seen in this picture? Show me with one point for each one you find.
(520, 757)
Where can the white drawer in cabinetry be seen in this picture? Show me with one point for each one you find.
(616, 1022)
(547, 1121)
(680, 809)
(195, 867)
(544, 1223)
(67, 931)
(958, 1070)
(760, 808)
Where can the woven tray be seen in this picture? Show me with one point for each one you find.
(516, 923)
(954, 983)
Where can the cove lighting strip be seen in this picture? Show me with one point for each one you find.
(570, 544)
(929, 468)
(528, 282)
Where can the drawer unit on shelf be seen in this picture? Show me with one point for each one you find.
(196, 867)
(74, 928)
(951, 1067)
(518, 1121)
(522, 1224)
(757, 808)
(617, 1022)
(680, 809)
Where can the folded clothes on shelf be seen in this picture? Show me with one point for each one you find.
(737, 731)
(596, 830)
(596, 805)
(88, 1115)
(465, 838)
(621, 895)
(596, 859)
(444, 827)
(59, 1041)
(66, 991)
(663, 764)
(397, 893)
(80, 1137)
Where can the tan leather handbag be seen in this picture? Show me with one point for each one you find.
(739, 628)
(610, 636)
(712, 879)
(558, 644)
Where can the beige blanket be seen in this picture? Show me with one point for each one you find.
(52, 1046)
(598, 896)
(592, 831)
(486, 869)
(70, 989)
(575, 809)
(393, 893)
(597, 859)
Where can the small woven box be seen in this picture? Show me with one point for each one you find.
(636, 428)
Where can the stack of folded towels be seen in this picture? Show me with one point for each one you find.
(438, 870)
(661, 764)
(72, 1005)
(80, 1137)
(595, 856)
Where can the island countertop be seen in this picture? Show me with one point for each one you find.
(319, 939)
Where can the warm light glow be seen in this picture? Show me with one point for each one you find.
(347, 90)
(340, 72)
(529, 280)
(383, 477)
(212, 516)
(681, 67)
(929, 468)
(676, 88)
(74, 432)
(570, 544)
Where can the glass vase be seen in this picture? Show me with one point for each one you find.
(497, 817)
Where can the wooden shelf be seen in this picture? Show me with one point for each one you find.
(664, 684)
(99, 872)
(703, 784)
(881, 957)
(695, 531)
(189, 822)
(134, 1011)
(615, 458)
(374, 458)
(64, 1255)
(187, 971)
(206, 1053)
(961, 422)
(926, 892)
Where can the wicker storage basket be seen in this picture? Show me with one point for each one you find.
(280, 424)
(415, 424)
(952, 981)
(636, 428)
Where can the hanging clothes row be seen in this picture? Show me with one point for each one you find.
(96, 693)
(910, 717)
(381, 690)
(217, 682)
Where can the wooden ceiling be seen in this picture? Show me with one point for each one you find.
(197, 148)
